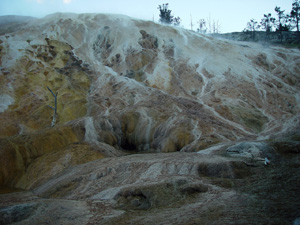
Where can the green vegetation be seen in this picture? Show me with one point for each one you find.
(283, 22)
(166, 17)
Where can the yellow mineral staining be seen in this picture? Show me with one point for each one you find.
(71, 111)
(48, 165)
(8, 128)
(188, 93)
(177, 140)
(109, 138)
(20, 151)
(129, 122)
(30, 89)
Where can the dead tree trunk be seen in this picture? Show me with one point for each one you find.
(54, 108)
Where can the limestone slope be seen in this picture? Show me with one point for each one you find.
(126, 86)
(140, 86)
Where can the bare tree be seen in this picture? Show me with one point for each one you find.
(54, 108)
(216, 26)
(213, 26)
(202, 26)
(192, 22)
(209, 24)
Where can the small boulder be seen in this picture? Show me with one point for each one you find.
(253, 150)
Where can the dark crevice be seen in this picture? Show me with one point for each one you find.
(128, 145)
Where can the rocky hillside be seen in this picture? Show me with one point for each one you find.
(126, 86)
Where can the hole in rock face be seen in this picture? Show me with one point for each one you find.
(128, 145)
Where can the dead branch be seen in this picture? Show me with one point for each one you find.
(54, 108)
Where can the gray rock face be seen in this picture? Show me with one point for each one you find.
(250, 150)
(175, 188)
(16, 213)
(43, 211)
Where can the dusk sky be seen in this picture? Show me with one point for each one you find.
(232, 15)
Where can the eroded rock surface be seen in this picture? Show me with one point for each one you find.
(136, 100)
(176, 188)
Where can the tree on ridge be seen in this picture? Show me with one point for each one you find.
(295, 13)
(252, 26)
(166, 17)
(165, 14)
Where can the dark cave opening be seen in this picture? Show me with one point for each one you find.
(127, 145)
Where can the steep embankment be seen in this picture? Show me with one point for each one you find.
(129, 86)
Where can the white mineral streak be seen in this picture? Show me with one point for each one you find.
(91, 135)
(230, 80)
(211, 150)
(5, 102)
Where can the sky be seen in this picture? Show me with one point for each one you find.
(232, 15)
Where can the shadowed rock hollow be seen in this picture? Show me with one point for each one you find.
(127, 86)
